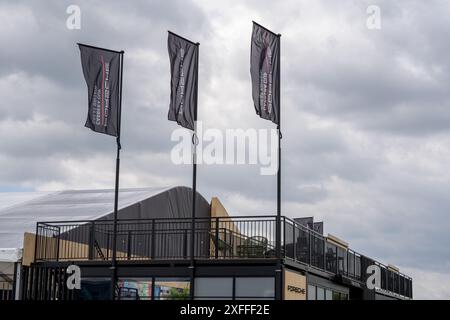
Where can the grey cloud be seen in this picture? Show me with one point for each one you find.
(355, 104)
(391, 82)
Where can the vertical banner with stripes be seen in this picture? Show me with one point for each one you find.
(183, 55)
(101, 70)
(265, 73)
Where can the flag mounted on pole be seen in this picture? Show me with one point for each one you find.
(265, 73)
(101, 70)
(183, 55)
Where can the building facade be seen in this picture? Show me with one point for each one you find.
(158, 257)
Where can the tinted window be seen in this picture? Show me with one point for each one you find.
(358, 266)
(171, 289)
(135, 288)
(213, 288)
(255, 287)
(330, 256)
(289, 240)
(342, 260)
(302, 244)
(336, 295)
(94, 289)
(311, 292)
(320, 293)
(351, 264)
(317, 245)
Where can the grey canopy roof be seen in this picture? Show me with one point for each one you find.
(20, 211)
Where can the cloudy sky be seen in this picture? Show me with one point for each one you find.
(365, 113)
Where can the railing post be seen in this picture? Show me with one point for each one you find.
(152, 247)
(57, 243)
(324, 250)
(346, 271)
(107, 243)
(129, 244)
(225, 239)
(386, 280)
(309, 247)
(185, 243)
(294, 245)
(283, 227)
(217, 239)
(36, 242)
(337, 261)
(91, 240)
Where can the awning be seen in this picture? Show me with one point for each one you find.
(10, 254)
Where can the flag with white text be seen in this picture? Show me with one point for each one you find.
(265, 73)
(183, 55)
(101, 70)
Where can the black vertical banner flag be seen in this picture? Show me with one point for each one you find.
(183, 55)
(265, 73)
(101, 71)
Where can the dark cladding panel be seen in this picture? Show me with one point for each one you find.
(148, 239)
(302, 245)
(318, 227)
(306, 222)
(173, 203)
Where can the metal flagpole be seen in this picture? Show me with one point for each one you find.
(116, 192)
(194, 180)
(278, 222)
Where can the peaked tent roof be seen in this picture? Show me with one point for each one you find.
(20, 211)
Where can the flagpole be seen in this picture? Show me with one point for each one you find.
(278, 221)
(116, 192)
(194, 191)
(194, 180)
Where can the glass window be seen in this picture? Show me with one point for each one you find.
(94, 289)
(410, 288)
(342, 260)
(311, 292)
(344, 296)
(317, 244)
(396, 283)
(289, 240)
(135, 289)
(351, 264)
(255, 287)
(383, 278)
(171, 288)
(320, 293)
(358, 266)
(213, 288)
(390, 280)
(336, 295)
(330, 255)
(302, 243)
(328, 294)
(402, 286)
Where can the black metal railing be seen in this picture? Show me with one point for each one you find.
(394, 281)
(309, 247)
(250, 237)
(6, 290)
(243, 237)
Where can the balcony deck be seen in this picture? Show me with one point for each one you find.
(217, 238)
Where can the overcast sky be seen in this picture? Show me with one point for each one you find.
(365, 113)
